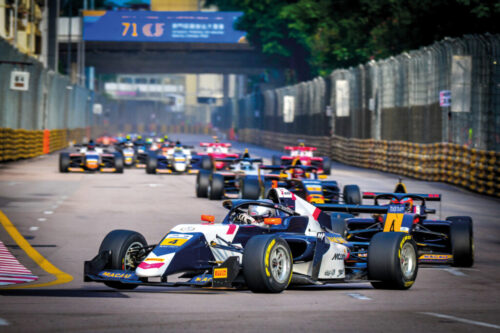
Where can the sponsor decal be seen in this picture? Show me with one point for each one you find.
(396, 209)
(175, 240)
(338, 256)
(155, 259)
(116, 275)
(339, 240)
(220, 273)
(314, 188)
(435, 257)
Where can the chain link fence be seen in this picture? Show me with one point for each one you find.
(446, 92)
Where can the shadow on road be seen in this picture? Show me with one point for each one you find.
(78, 293)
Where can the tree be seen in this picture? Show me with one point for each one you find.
(315, 36)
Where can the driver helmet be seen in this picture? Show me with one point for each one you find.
(259, 213)
(91, 145)
(246, 165)
(149, 141)
(165, 137)
(178, 143)
(159, 140)
(297, 172)
(129, 144)
(408, 202)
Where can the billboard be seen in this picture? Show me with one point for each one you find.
(148, 26)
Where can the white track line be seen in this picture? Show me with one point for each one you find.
(34, 228)
(359, 296)
(48, 212)
(461, 320)
(4, 322)
(455, 272)
(41, 219)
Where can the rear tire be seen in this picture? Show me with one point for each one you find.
(118, 163)
(151, 164)
(215, 190)
(202, 182)
(392, 260)
(267, 264)
(250, 188)
(462, 241)
(352, 195)
(327, 166)
(64, 161)
(120, 243)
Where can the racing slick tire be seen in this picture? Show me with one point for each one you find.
(250, 188)
(202, 182)
(121, 243)
(207, 163)
(267, 264)
(462, 240)
(151, 164)
(118, 163)
(64, 161)
(392, 260)
(276, 160)
(352, 195)
(215, 188)
(327, 166)
(339, 223)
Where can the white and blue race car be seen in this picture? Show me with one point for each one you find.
(264, 245)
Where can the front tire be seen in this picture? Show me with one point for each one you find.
(122, 244)
(462, 241)
(118, 163)
(207, 163)
(202, 183)
(352, 195)
(392, 261)
(215, 190)
(250, 188)
(64, 161)
(151, 164)
(267, 264)
(339, 223)
(327, 166)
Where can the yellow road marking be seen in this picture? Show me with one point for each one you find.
(61, 277)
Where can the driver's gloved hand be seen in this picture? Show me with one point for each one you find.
(245, 218)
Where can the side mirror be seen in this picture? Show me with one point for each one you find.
(272, 220)
(208, 218)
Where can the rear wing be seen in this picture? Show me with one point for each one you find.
(353, 208)
(427, 197)
(215, 144)
(306, 168)
(302, 148)
(236, 160)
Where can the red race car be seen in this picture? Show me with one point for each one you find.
(302, 155)
(216, 150)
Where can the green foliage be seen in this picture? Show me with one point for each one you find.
(315, 36)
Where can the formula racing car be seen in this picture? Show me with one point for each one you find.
(303, 155)
(169, 160)
(238, 179)
(439, 242)
(91, 158)
(305, 182)
(263, 245)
